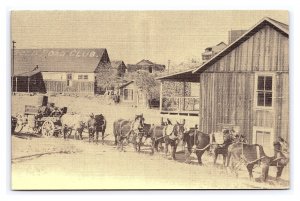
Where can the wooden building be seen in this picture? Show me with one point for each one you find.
(246, 85)
(67, 71)
(119, 66)
(30, 82)
(131, 95)
(209, 52)
(146, 65)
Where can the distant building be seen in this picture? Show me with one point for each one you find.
(120, 67)
(69, 71)
(131, 95)
(146, 65)
(212, 51)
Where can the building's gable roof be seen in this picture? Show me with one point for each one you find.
(281, 27)
(145, 62)
(116, 63)
(57, 60)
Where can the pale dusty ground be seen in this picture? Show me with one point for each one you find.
(53, 163)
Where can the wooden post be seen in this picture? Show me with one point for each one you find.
(16, 84)
(183, 103)
(200, 106)
(28, 80)
(160, 96)
(13, 66)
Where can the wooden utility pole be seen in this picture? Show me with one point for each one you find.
(169, 61)
(13, 66)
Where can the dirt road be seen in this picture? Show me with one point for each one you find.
(60, 164)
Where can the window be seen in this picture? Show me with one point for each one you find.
(128, 94)
(83, 77)
(264, 91)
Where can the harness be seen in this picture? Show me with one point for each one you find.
(165, 134)
(194, 148)
(154, 129)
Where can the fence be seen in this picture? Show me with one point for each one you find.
(180, 105)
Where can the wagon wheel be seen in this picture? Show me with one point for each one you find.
(48, 128)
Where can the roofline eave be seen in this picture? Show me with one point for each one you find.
(201, 68)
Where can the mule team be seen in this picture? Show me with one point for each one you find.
(234, 148)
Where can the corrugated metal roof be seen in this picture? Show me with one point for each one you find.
(57, 60)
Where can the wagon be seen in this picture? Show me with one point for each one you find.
(42, 119)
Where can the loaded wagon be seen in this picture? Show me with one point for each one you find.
(43, 118)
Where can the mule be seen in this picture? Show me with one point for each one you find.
(91, 126)
(196, 141)
(100, 126)
(72, 122)
(127, 130)
(144, 133)
(168, 134)
(222, 149)
(174, 138)
(251, 155)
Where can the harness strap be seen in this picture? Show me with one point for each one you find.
(198, 149)
(158, 138)
(254, 161)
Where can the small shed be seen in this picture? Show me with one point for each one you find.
(131, 95)
(29, 82)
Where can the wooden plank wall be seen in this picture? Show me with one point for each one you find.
(282, 106)
(226, 99)
(267, 50)
(77, 87)
(227, 87)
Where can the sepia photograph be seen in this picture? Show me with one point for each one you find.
(148, 100)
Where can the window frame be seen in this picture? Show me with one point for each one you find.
(80, 77)
(264, 74)
(128, 100)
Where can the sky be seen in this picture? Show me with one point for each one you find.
(133, 35)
